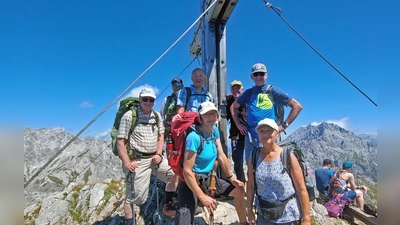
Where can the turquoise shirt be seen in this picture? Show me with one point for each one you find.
(205, 160)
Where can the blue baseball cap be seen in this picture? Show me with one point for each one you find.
(347, 165)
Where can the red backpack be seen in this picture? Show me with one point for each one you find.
(180, 128)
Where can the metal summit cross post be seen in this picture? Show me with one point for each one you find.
(209, 43)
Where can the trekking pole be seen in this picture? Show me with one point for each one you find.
(132, 176)
(156, 215)
(212, 192)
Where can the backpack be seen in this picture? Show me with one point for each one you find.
(126, 104)
(170, 109)
(189, 93)
(337, 186)
(289, 147)
(180, 128)
(336, 206)
(370, 210)
(279, 108)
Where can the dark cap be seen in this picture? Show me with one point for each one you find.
(178, 80)
(347, 165)
(327, 161)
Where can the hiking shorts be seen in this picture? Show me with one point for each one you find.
(349, 195)
(142, 174)
(188, 201)
(251, 143)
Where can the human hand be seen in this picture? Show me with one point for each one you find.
(156, 159)
(176, 117)
(237, 183)
(242, 128)
(209, 203)
(131, 166)
(363, 187)
(250, 216)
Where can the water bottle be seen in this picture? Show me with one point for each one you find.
(310, 190)
(169, 145)
(310, 187)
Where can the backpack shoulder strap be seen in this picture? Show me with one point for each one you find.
(268, 91)
(285, 158)
(188, 94)
(254, 156)
(134, 118)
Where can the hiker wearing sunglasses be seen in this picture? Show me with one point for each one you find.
(262, 102)
(168, 111)
(198, 167)
(147, 141)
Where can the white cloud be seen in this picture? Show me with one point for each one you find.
(86, 104)
(104, 135)
(341, 123)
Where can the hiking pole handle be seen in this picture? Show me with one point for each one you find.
(212, 192)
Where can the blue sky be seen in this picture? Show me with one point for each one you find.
(76, 57)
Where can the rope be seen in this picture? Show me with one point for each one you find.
(116, 99)
(278, 11)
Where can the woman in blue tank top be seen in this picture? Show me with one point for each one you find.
(275, 186)
(198, 166)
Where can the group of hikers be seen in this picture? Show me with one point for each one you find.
(253, 125)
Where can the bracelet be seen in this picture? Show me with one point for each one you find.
(229, 177)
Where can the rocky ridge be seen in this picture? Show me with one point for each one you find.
(67, 193)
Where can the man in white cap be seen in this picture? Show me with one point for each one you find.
(262, 101)
(146, 142)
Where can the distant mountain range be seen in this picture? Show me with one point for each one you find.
(90, 161)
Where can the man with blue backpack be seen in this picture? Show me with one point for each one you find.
(263, 101)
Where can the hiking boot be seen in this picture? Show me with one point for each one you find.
(169, 209)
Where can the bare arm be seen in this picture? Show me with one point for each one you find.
(350, 180)
(250, 191)
(190, 179)
(299, 185)
(294, 112)
(123, 155)
(223, 161)
(235, 116)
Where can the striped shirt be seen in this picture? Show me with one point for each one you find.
(145, 135)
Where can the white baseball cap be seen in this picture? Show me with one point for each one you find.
(206, 107)
(147, 92)
(267, 122)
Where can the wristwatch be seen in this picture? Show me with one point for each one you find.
(285, 124)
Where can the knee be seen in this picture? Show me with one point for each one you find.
(360, 193)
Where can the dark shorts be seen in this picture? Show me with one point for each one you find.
(188, 201)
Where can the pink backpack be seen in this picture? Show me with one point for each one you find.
(335, 206)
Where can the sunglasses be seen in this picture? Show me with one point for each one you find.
(176, 84)
(259, 74)
(148, 99)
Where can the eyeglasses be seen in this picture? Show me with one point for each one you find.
(176, 84)
(148, 99)
(259, 74)
(213, 114)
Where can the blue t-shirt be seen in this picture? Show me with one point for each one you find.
(205, 160)
(322, 178)
(195, 99)
(259, 106)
